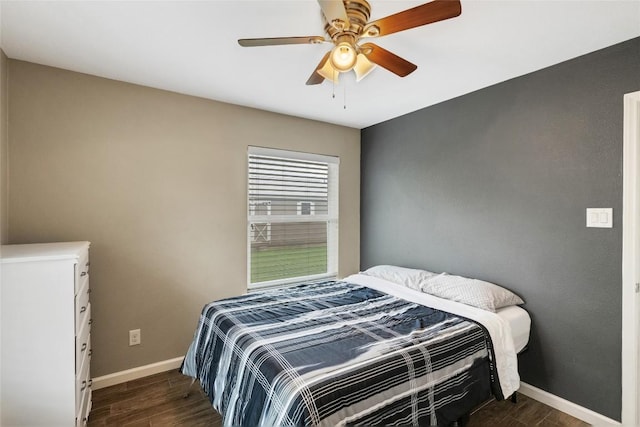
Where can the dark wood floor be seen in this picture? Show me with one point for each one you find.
(527, 412)
(158, 400)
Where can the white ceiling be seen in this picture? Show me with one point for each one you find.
(190, 47)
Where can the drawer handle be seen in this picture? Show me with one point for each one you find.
(84, 385)
(87, 264)
(83, 309)
(90, 322)
(90, 382)
(84, 273)
(90, 352)
(84, 347)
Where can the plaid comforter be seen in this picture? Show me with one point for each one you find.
(337, 353)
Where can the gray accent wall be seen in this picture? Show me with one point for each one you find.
(495, 184)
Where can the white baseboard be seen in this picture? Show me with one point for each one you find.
(582, 413)
(135, 373)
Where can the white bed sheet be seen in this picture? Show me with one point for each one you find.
(520, 323)
(499, 329)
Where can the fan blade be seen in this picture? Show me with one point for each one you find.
(317, 78)
(335, 13)
(274, 41)
(388, 60)
(437, 10)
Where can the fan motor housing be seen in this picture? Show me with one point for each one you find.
(358, 12)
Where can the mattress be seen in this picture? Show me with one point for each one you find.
(498, 327)
(520, 323)
(515, 316)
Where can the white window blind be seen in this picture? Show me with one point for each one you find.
(292, 217)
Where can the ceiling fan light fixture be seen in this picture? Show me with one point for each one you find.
(363, 67)
(328, 72)
(343, 57)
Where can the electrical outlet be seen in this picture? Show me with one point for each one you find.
(134, 337)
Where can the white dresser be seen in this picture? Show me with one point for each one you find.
(46, 340)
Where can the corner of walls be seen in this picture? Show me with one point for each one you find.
(4, 147)
(4, 137)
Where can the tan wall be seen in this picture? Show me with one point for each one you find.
(157, 182)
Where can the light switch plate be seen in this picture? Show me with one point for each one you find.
(600, 217)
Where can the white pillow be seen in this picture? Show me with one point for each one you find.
(478, 293)
(409, 277)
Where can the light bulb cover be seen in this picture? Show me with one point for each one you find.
(328, 72)
(363, 67)
(343, 57)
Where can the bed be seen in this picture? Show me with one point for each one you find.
(359, 351)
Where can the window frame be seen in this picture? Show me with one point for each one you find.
(332, 217)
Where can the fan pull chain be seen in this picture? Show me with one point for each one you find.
(333, 85)
(344, 98)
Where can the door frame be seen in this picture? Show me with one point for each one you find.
(630, 261)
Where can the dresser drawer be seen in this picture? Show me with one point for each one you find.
(82, 305)
(81, 283)
(82, 382)
(83, 344)
(82, 270)
(82, 416)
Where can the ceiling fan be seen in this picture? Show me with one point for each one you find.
(346, 22)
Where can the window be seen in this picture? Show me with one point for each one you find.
(292, 217)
